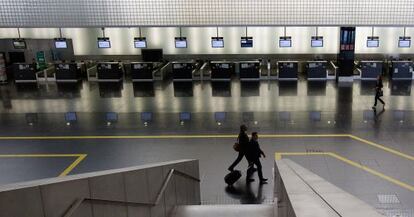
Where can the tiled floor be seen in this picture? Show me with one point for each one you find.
(273, 108)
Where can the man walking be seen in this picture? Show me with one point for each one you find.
(243, 141)
(253, 154)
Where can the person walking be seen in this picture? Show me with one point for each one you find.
(243, 140)
(253, 154)
(378, 92)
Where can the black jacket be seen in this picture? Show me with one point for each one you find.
(243, 140)
(379, 85)
(253, 150)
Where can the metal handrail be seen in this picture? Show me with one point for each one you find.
(75, 205)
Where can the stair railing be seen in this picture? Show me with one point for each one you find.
(75, 205)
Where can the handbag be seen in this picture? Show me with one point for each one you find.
(380, 93)
(236, 146)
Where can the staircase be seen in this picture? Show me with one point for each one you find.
(225, 211)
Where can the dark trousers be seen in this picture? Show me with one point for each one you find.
(251, 170)
(378, 97)
(237, 161)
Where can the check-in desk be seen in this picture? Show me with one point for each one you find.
(222, 70)
(144, 71)
(249, 70)
(25, 73)
(67, 72)
(287, 70)
(370, 69)
(401, 70)
(317, 70)
(109, 71)
(184, 70)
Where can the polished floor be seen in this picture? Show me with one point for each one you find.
(320, 117)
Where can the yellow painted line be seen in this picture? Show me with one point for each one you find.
(79, 158)
(382, 147)
(73, 165)
(373, 144)
(169, 136)
(279, 155)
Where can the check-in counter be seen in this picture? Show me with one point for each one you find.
(25, 73)
(184, 70)
(144, 71)
(67, 72)
(222, 70)
(110, 71)
(287, 70)
(249, 70)
(401, 70)
(317, 70)
(370, 69)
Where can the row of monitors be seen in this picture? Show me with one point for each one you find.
(216, 42)
(246, 42)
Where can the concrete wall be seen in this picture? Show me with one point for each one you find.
(53, 197)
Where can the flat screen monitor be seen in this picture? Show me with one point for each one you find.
(185, 116)
(61, 45)
(70, 116)
(317, 43)
(373, 43)
(404, 43)
(146, 116)
(111, 116)
(180, 42)
(220, 116)
(104, 43)
(285, 43)
(246, 42)
(140, 42)
(217, 42)
(19, 44)
(152, 55)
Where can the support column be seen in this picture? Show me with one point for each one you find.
(346, 54)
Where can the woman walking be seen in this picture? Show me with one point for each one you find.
(378, 92)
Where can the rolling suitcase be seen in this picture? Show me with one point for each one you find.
(232, 177)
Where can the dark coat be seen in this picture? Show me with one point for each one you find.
(253, 151)
(243, 140)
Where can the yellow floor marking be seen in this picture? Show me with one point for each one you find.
(279, 156)
(73, 165)
(79, 158)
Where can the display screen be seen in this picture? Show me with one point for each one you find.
(317, 43)
(220, 116)
(217, 42)
(111, 116)
(70, 116)
(180, 42)
(104, 44)
(185, 116)
(146, 116)
(140, 43)
(285, 43)
(372, 43)
(19, 44)
(246, 42)
(61, 44)
(404, 43)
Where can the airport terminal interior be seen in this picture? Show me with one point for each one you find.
(92, 89)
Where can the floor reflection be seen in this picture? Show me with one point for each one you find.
(288, 88)
(69, 90)
(367, 88)
(400, 88)
(110, 89)
(144, 89)
(248, 194)
(183, 89)
(316, 88)
(249, 89)
(221, 89)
